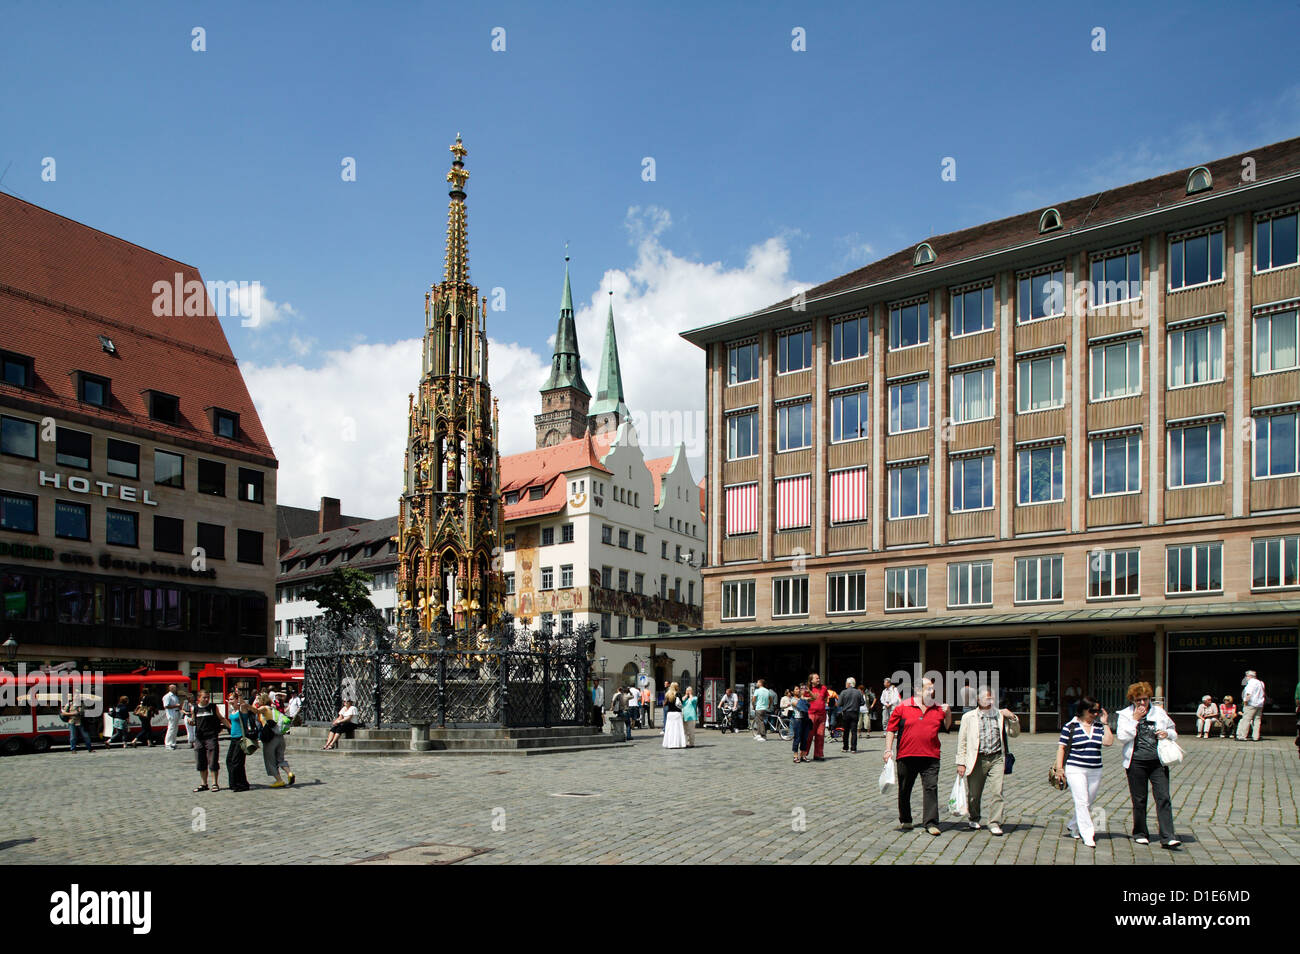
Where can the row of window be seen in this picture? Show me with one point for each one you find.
(58, 599)
(627, 582)
(1190, 569)
(97, 390)
(1194, 458)
(292, 593)
(1195, 356)
(72, 521)
(1195, 258)
(18, 438)
(343, 554)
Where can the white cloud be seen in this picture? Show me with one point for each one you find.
(339, 430)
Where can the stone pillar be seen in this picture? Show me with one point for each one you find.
(1033, 682)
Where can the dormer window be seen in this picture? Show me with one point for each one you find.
(163, 407)
(92, 389)
(16, 369)
(924, 254)
(1199, 180)
(224, 423)
(512, 498)
(534, 493)
(1049, 221)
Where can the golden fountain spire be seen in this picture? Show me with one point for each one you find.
(457, 257)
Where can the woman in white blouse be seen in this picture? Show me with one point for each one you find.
(344, 725)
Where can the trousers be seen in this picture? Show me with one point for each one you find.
(1084, 784)
(986, 779)
(1140, 774)
(927, 769)
(1249, 717)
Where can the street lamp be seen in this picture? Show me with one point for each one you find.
(11, 649)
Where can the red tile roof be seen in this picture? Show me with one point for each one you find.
(63, 284)
(545, 468)
(658, 467)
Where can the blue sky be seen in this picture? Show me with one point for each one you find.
(774, 168)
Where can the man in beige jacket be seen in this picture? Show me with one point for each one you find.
(981, 757)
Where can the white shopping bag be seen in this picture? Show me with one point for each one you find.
(957, 800)
(888, 778)
(1169, 751)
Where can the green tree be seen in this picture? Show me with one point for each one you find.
(344, 594)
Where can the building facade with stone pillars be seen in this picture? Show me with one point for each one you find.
(1060, 448)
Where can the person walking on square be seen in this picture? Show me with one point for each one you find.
(597, 706)
(146, 710)
(1252, 707)
(889, 700)
(1227, 718)
(915, 724)
(764, 702)
(1140, 728)
(815, 738)
(208, 722)
(120, 718)
(241, 726)
(646, 721)
(1083, 736)
(690, 715)
(674, 732)
(981, 757)
(799, 722)
(633, 709)
(852, 703)
(273, 743)
(187, 712)
(1207, 713)
(171, 704)
(74, 714)
(868, 706)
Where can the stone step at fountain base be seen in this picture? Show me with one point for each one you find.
(485, 740)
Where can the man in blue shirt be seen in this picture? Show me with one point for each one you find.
(764, 702)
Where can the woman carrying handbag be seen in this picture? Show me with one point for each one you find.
(1149, 739)
(1078, 760)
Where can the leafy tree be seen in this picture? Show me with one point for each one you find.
(344, 594)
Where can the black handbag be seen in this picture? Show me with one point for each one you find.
(268, 732)
(1009, 760)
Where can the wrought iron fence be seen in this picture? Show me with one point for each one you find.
(507, 676)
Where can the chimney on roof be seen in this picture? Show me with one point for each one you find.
(282, 545)
(331, 514)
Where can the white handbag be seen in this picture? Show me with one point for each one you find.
(1169, 751)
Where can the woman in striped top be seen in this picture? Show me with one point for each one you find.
(1085, 735)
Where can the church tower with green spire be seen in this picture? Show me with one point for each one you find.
(564, 395)
(609, 409)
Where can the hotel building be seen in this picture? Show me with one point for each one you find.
(137, 487)
(1061, 447)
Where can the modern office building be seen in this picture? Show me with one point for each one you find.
(137, 486)
(1060, 447)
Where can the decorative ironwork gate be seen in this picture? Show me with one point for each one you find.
(505, 677)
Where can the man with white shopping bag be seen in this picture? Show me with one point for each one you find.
(981, 758)
(915, 724)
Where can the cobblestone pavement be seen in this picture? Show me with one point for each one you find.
(729, 799)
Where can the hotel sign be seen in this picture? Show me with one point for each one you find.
(82, 485)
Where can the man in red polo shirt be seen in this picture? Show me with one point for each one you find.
(915, 724)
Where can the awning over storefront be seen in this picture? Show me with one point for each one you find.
(1172, 616)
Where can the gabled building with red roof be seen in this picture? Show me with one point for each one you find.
(595, 533)
(137, 485)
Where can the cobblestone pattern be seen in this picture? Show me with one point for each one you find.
(729, 799)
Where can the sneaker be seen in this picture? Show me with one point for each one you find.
(995, 830)
(1091, 844)
(292, 778)
(1141, 840)
(906, 826)
(278, 784)
(933, 829)
(975, 826)
(1172, 844)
